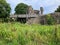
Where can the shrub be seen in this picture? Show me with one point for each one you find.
(50, 20)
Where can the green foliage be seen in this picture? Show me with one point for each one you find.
(58, 9)
(4, 9)
(21, 8)
(22, 34)
(50, 20)
(5, 19)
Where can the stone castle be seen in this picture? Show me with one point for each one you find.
(35, 16)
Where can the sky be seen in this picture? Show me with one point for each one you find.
(49, 5)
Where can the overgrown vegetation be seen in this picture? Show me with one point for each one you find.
(4, 10)
(58, 9)
(22, 34)
(50, 20)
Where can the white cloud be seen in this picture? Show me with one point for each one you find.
(49, 5)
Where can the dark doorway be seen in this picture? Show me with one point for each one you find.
(21, 20)
(42, 22)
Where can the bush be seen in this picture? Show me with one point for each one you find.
(4, 19)
(50, 20)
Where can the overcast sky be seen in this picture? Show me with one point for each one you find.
(48, 5)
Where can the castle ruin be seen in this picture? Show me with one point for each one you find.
(36, 16)
(32, 17)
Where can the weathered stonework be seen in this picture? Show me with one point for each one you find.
(36, 16)
(33, 20)
(30, 10)
(38, 19)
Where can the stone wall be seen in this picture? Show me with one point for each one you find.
(55, 15)
(35, 20)
(42, 19)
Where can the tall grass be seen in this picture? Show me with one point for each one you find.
(23, 34)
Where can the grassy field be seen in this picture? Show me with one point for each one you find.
(23, 34)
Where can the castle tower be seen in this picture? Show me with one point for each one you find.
(41, 10)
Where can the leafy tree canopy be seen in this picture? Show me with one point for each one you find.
(21, 8)
(58, 9)
(4, 9)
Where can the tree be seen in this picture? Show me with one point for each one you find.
(21, 8)
(58, 9)
(4, 9)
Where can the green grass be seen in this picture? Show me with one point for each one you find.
(23, 34)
